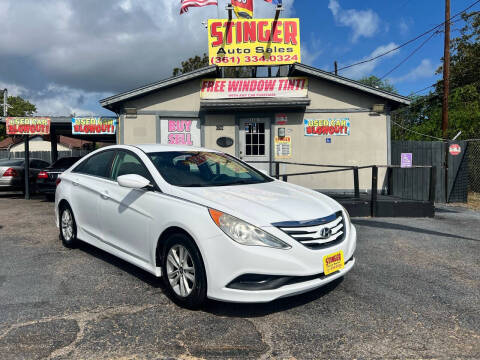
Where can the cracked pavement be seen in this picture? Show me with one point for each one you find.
(414, 293)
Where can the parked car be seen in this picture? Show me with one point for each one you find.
(12, 173)
(210, 224)
(47, 177)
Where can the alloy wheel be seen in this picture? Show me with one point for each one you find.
(180, 270)
(67, 225)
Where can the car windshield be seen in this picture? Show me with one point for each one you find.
(201, 168)
(11, 162)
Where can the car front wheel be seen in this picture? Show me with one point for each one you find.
(183, 272)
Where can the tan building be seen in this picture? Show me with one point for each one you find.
(331, 120)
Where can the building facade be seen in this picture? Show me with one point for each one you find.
(333, 121)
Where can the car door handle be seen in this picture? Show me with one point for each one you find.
(105, 196)
(75, 183)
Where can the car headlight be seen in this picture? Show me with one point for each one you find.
(244, 233)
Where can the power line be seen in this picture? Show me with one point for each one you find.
(411, 40)
(410, 55)
(415, 132)
(418, 91)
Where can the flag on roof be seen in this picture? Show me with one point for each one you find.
(185, 4)
(274, 2)
(243, 8)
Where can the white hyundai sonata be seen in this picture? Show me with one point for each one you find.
(210, 224)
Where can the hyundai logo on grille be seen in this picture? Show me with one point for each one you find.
(325, 233)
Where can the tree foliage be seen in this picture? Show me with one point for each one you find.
(198, 62)
(377, 83)
(17, 106)
(191, 64)
(425, 114)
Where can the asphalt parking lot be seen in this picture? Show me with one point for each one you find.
(414, 293)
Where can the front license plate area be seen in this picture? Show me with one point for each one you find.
(333, 262)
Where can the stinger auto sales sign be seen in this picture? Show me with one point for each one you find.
(253, 42)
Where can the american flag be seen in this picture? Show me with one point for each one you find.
(274, 2)
(185, 4)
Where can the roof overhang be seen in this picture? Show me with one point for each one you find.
(298, 68)
(255, 103)
(111, 102)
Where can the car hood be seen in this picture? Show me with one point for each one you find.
(263, 204)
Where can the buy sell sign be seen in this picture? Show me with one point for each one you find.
(253, 42)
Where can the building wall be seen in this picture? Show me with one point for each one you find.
(143, 128)
(37, 145)
(212, 134)
(139, 130)
(367, 143)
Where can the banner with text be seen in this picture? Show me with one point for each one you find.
(330, 126)
(253, 87)
(180, 132)
(28, 125)
(253, 42)
(94, 125)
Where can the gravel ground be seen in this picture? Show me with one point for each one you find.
(414, 293)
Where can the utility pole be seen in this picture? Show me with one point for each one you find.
(446, 87)
(5, 105)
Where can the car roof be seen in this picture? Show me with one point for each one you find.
(151, 148)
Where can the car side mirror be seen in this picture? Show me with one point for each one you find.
(133, 181)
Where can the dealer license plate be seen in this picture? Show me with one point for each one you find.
(333, 262)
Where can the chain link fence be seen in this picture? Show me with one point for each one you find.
(473, 157)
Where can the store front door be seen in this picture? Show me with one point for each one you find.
(255, 141)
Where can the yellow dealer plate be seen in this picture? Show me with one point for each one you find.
(333, 262)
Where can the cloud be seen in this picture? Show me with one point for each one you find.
(404, 25)
(425, 69)
(56, 100)
(366, 69)
(363, 22)
(94, 47)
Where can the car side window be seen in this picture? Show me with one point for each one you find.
(128, 163)
(96, 165)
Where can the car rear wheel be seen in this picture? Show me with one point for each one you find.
(68, 227)
(184, 272)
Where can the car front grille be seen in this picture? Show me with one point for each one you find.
(318, 233)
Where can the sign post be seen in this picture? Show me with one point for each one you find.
(26, 165)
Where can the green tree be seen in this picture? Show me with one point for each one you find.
(376, 82)
(425, 113)
(191, 64)
(17, 106)
(198, 62)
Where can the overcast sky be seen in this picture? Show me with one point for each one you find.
(65, 55)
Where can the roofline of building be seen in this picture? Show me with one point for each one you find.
(110, 102)
(175, 80)
(351, 83)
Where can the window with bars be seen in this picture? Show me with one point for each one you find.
(254, 138)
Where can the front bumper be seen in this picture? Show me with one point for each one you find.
(228, 261)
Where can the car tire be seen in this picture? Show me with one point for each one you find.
(183, 272)
(68, 227)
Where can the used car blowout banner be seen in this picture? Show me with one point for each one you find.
(253, 42)
(253, 87)
(94, 125)
(327, 127)
(28, 125)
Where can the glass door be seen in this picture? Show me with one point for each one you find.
(255, 141)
